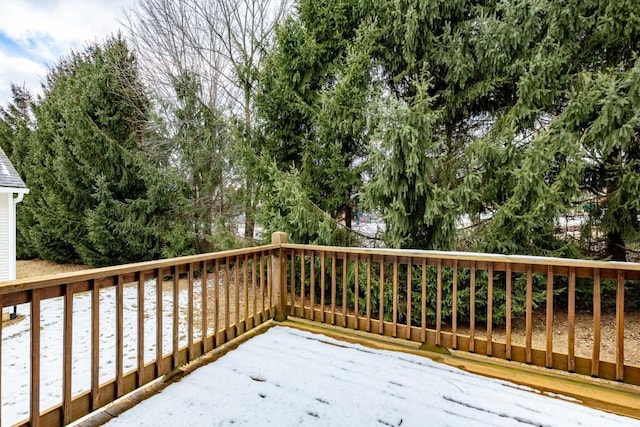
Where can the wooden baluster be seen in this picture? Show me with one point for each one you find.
(262, 317)
(254, 288)
(381, 298)
(303, 278)
(549, 320)
(529, 314)
(141, 329)
(35, 359)
(279, 262)
(620, 327)
(190, 312)
(344, 291)
(270, 286)
(438, 302)
(409, 296)
(236, 292)
(356, 291)
(159, 316)
(571, 358)
(227, 301)
(323, 260)
(395, 298)
(595, 357)
(67, 355)
(95, 345)
(119, 336)
(454, 305)
(423, 308)
(369, 261)
(312, 285)
(204, 305)
(216, 302)
(293, 283)
(508, 314)
(333, 288)
(175, 315)
(490, 310)
(245, 282)
(472, 308)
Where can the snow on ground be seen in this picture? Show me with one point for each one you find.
(288, 377)
(374, 229)
(16, 353)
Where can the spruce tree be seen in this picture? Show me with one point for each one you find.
(16, 125)
(201, 145)
(507, 113)
(571, 130)
(313, 90)
(96, 198)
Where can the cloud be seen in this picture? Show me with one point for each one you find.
(59, 24)
(36, 33)
(21, 71)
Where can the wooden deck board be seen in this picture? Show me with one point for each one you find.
(609, 396)
(621, 399)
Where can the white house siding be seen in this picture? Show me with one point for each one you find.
(6, 238)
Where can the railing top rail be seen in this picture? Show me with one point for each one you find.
(26, 284)
(100, 273)
(475, 256)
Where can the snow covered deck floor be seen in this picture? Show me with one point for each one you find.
(290, 377)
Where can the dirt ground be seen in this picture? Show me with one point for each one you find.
(38, 267)
(583, 334)
(583, 321)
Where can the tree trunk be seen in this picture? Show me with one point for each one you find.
(249, 227)
(348, 214)
(615, 247)
(249, 220)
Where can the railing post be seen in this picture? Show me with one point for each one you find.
(278, 262)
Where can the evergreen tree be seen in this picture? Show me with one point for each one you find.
(312, 94)
(571, 130)
(201, 141)
(416, 184)
(16, 125)
(96, 198)
(528, 177)
(504, 112)
(435, 96)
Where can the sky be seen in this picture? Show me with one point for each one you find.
(35, 33)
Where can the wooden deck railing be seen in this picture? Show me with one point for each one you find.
(206, 299)
(180, 308)
(449, 299)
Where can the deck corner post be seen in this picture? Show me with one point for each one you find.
(278, 262)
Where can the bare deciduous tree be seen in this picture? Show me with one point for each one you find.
(220, 44)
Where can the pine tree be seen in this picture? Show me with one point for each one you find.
(96, 198)
(313, 91)
(16, 125)
(201, 145)
(437, 94)
(571, 130)
(505, 113)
